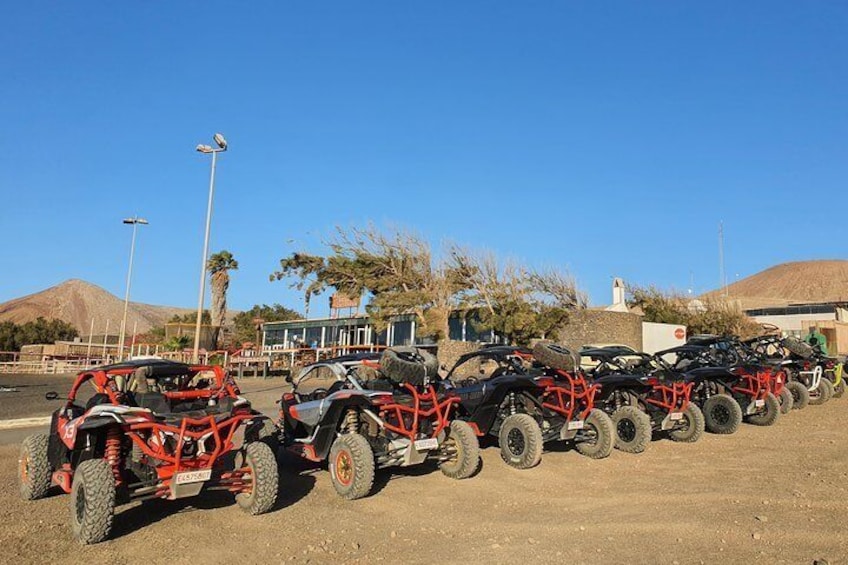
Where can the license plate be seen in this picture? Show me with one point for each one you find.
(426, 444)
(759, 403)
(193, 476)
(676, 416)
(575, 425)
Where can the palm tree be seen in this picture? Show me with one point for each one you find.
(219, 265)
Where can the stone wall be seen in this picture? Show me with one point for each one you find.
(600, 326)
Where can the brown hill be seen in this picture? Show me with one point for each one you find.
(800, 282)
(78, 302)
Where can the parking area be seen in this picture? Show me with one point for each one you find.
(763, 495)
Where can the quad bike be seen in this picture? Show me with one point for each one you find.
(716, 369)
(153, 429)
(377, 411)
(642, 397)
(526, 407)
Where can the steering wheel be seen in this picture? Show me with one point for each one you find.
(319, 393)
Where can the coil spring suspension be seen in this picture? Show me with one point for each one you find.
(113, 452)
(351, 421)
(511, 403)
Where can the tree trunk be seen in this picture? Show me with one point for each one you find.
(220, 284)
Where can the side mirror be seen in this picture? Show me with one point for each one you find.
(289, 379)
(52, 395)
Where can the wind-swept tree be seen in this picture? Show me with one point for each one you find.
(401, 275)
(219, 266)
(396, 268)
(516, 302)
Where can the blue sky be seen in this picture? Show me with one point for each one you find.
(606, 137)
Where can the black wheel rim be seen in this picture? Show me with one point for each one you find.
(721, 415)
(80, 503)
(515, 441)
(626, 430)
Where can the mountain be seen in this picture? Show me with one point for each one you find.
(78, 302)
(800, 282)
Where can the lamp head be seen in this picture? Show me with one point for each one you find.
(220, 141)
(204, 148)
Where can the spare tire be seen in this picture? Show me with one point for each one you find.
(797, 347)
(409, 365)
(556, 356)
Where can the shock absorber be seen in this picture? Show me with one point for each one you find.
(351, 421)
(113, 452)
(511, 403)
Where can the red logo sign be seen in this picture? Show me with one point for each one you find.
(679, 333)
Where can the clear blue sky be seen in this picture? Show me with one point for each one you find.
(608, 137)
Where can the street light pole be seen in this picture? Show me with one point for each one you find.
(135, 221)
(222, 146)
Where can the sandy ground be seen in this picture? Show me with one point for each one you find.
(764, 495)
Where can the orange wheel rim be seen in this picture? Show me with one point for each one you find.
(344, 468)
(25, 467)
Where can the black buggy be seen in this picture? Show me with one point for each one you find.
(505, 393)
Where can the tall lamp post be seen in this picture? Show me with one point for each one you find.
(222, 146)
(135, 222)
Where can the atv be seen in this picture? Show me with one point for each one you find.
(642, 397)
(367, 411)
(524, 408)
(152, 429)
(714, 366)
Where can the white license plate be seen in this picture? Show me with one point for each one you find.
(676, 416)
(193, 476)
(575, 425)
(426, 444)
(759, 403)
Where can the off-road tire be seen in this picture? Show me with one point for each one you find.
(520, 440)
(555, 356)
(601, 424)
(824, 392)
(632, 429)
(839, 390)
(262, 462)
(786, 401)
(351, 466)
(798, 347)
(409, 365)
(34, 467)
(695, 428)
(770, 415)
(722, 414)
(800, 394)
(461, 438)
(92, 501)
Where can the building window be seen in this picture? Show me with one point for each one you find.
(402, 333)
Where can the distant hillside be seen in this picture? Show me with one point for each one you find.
(78, 302)
(799, 282)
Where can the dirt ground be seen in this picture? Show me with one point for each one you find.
(764, 495)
